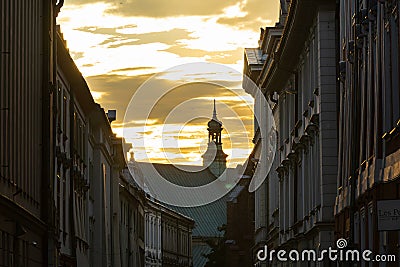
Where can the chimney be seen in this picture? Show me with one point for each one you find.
(112, 115)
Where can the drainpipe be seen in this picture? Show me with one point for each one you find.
(50, 242)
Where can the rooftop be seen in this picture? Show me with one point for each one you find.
(207, 217)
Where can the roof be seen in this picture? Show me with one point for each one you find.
(207, 217)
(198, 251)
(194, 176)
(254, 56)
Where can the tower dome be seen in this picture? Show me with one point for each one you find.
(213, 124)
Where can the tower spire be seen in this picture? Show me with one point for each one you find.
(215, 158)
(215, 112)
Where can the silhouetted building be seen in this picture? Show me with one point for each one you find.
(368, 184)
(167, 232)
(266, 215)
(297, 75)
(176, 236)
(89, 162)
(207, 218)
(66, 195)
(131, 222)
(27, 83)
(153, 235)
(210, 217)
(240, 221)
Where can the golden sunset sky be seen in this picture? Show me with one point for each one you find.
(118, 45)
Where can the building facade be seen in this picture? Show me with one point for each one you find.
(176, 235)
(27, 82)
(295, 68)
(103, 216)
(266, 210)
(168, 236)
(368, 177)
(331, 76)
(240, 221)
(153, 235)
(67, 197)
(131, 222)
(88, 163)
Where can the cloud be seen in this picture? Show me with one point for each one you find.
(189, 105)
(76, 55)
(118, 90)
(157, 42)
(182, 115)
(119, 44)
(97, 96)
(85, 2)
(222, 57)
(130, 69)
(257, 13)
(176, 106)
(170, 8)
(119, 38)
(88, 65)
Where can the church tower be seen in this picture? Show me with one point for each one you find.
(214, 157)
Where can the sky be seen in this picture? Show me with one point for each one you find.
(123, 46)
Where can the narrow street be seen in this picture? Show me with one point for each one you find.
(233, 133)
